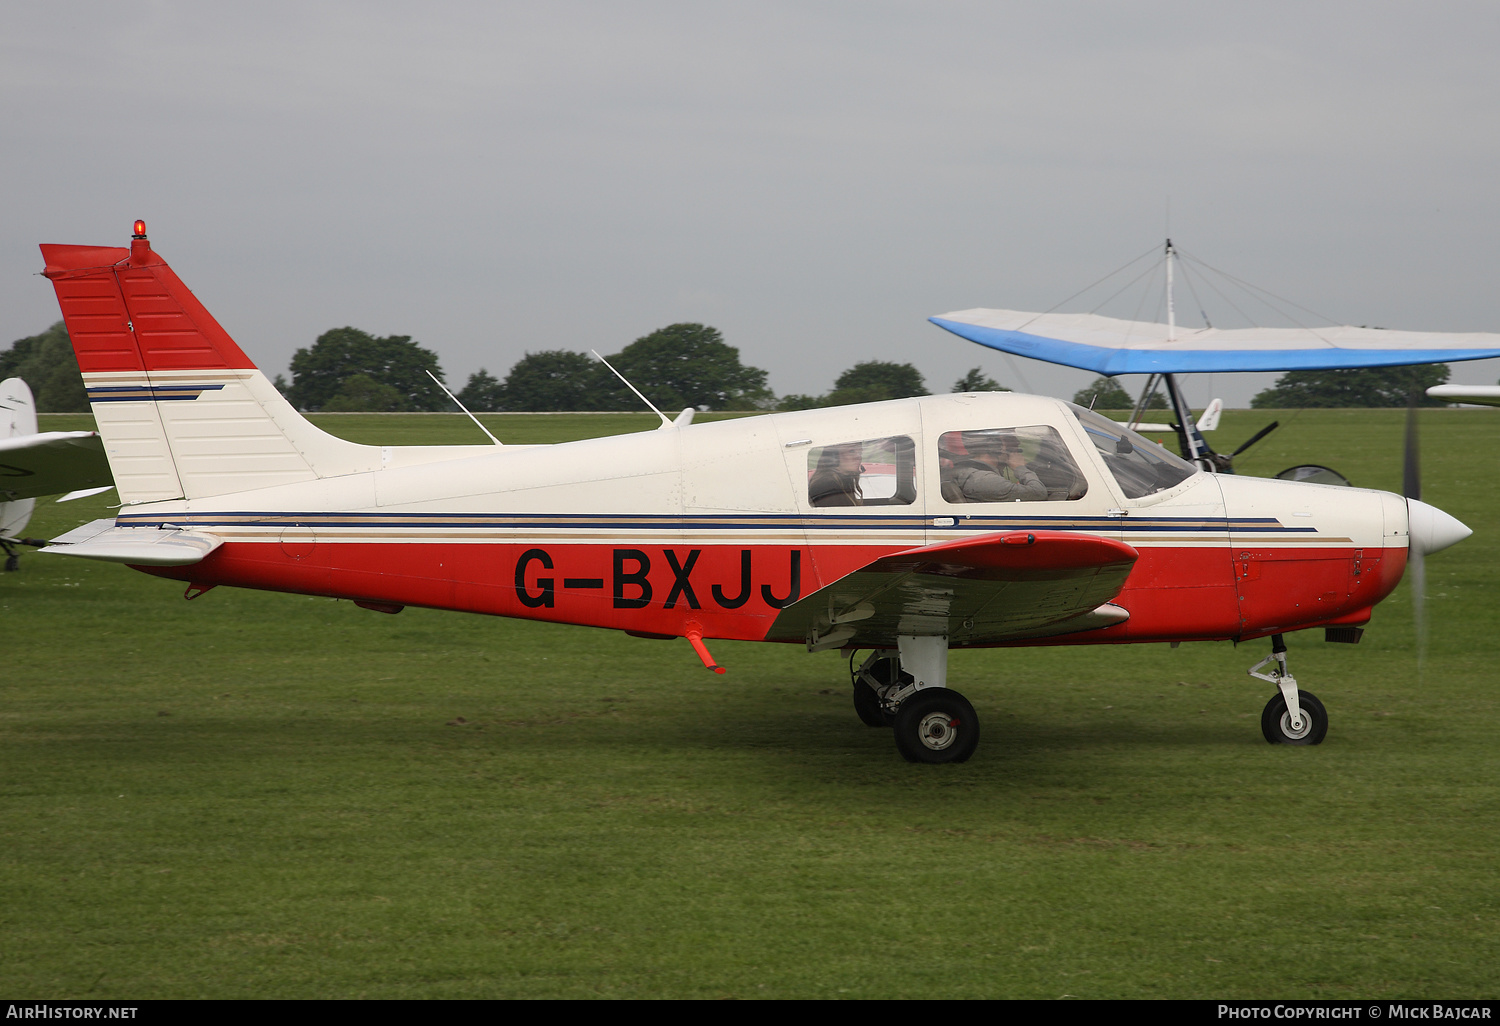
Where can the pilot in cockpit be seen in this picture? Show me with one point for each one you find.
(835, 481)
(995, 471)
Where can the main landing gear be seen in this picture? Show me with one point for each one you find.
(1292, 716)
(903, 689)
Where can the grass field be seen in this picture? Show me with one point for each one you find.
(262, 795)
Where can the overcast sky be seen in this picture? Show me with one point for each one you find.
(813, 179)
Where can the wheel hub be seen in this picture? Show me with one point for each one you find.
(938, 731)
(1295, 731)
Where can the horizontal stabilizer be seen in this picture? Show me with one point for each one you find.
(138, 546)
(974, 591)
(51, 462)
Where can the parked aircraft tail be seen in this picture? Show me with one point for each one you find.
(183, 412)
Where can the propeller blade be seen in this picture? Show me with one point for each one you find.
(1263, 432)
(1411, 474)
(1416, 567)
(1411, 487)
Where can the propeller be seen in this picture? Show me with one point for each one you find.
(1263, 432)
(1429, 529)
(1224, 463)
(1411, 487)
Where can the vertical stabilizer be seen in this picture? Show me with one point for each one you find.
(181, 409)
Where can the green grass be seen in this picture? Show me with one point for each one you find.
(261, 795)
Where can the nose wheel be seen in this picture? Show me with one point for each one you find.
(1292, 716)
(1277, 725)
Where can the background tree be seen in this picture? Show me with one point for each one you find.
(48, 365)
(484, 393)
(1112, 396)
(320, 372)
(360, 393)
(873, 381)
(556, 380)
(800, 402)
(977, 381)
(683, 365)
(1361, 386)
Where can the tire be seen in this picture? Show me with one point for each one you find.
(1275, 721)
(936, 725)
(867, 703)
(867, 706)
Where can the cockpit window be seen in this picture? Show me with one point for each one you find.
(874, 472)
(1010, 464)
(1141, 467)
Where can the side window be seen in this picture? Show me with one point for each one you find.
(875, 472)
(1013, 464)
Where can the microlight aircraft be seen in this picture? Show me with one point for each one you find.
(843, 529)
(1111, 346)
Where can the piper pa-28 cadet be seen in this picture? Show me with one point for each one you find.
(906, 527)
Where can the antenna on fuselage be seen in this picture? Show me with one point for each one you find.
(461, 406)
(665, 423)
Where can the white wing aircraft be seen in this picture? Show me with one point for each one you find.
(903, 529)
(1474, 395)
(36, 463)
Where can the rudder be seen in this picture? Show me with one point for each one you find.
(182, 411)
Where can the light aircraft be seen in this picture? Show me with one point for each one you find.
(1474, 395)
(1111, 346)
(1208, 420)
(843, 529)
(34, 463)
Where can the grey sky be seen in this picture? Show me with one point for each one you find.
(814, 179)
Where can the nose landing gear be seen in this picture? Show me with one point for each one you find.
(1292, 716)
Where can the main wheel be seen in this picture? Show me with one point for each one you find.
(866, 702)
(936, 725)
(1276, 720)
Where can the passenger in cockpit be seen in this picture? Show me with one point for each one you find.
(835, 481)
(995, 471)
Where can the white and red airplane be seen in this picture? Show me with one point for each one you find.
(847, 528)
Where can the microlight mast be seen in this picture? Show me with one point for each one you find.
(1194, 446)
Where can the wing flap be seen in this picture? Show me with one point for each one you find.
(138, 546)
(974, 591)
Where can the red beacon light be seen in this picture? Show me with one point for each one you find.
(140, 230)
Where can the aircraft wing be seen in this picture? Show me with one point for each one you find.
(1477, 395)
(1108, 345)
(50, 462)
(990, 588)
(138, 546)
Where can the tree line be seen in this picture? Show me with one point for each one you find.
(675, 367)
(347, 369)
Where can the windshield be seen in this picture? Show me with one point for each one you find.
(1141, 467)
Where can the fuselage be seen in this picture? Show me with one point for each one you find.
(718, 527)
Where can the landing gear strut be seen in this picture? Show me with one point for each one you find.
(878, 677)
(1292, 716)
(903, 688)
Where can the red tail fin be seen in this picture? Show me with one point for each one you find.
(127, 311)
